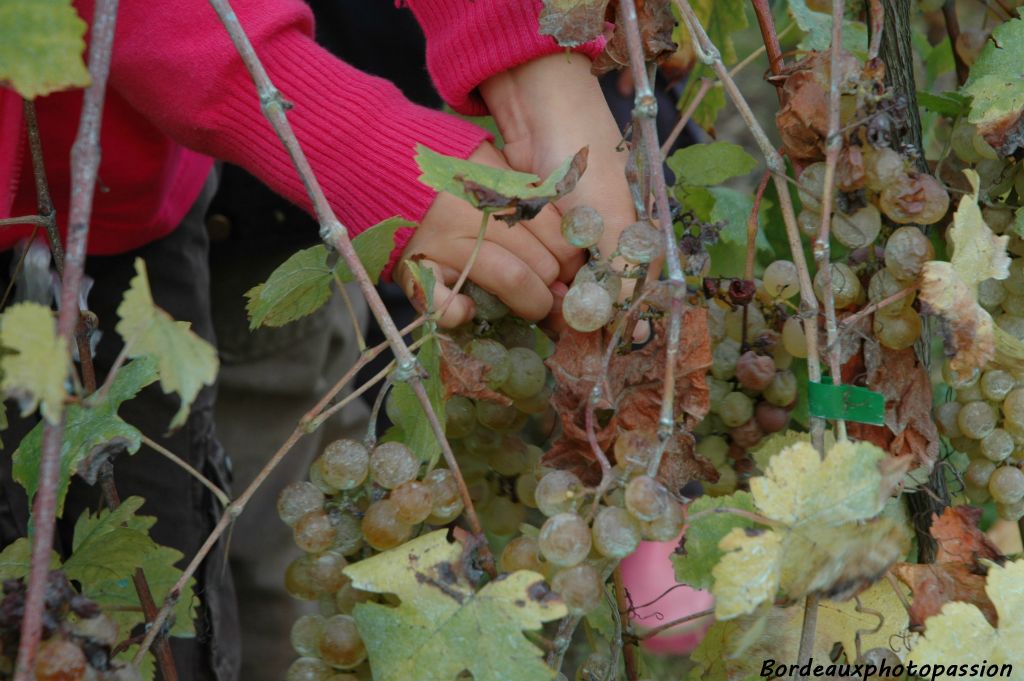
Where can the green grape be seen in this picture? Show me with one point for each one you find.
(945, 419)
(522, 553)
(736, 409)
(667, 526)
(782, 390)
(309, 669)
(345, 464)
(717, 390)
(580, 587)
(811, 185)
(991, 294)
(527, 374)
(557, 492)
(314, 532)
(646, 498)
(297, 580)
(495, 356)
(526, 489)
(634, 448)
(510, 459)
(316, 476)
(882, 167)
(340, 645)
(564, 539)
(734, 323)
(976, 419)
(846, 288)
(582, 226)
(503, 516)
(726, 483)
(979, 472)
(325, 571)
(884, 285)
(413, 501)
(348, 535)
(714, 448)
(393, 463)
(781, 279)
(481, 491)
(306, 633)
(997, 445)
(536, 403)
(615, 532)
(381, 527)
(587, 307)
(961, 141)
(794, 340)
(996, 384)
(969, 394)
(898, 332)
(1011, 512)
(1012, 325)
(445, 491)
(1013, 408)
(809, 222)
(459, 417)
(1006, 485)
(858, 229)
(298, 499)
(640, 243)
(495, 416)
(724, 358)
(487, 305)
(483, 442)
(906, 252)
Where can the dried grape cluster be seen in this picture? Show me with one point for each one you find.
(79, 640)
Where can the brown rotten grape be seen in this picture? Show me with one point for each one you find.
(915, 198)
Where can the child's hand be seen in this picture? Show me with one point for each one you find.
(518, 264)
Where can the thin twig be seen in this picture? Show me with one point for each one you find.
(85, 156)
(628, 649)
(707, 51)
(765, 22)
(650, 633)
(335, 235)
(752, 227)
(37, 220)
(44, 203)
(684, 118)
(566, 629)
(188, 468)
(953, 30)
(860, 314)
(17, 269)
(360, 341)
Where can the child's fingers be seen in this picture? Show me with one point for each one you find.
(459, 311)
(502, 273)
(547, 227)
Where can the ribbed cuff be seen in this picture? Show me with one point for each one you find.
(358, 132)
(468, 41)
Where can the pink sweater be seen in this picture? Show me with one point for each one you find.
(179, 95)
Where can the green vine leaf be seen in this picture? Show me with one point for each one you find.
(186, 361)
(298, 287)
(443, 626)
(409, 413)
(90, 428)
(961, 632)
(722, 19)
(41, 46)
(106, 550)
(36, 371)
(16, 560)
(374, 247)
(996, 83)
(703, 535)
(709, 164)
(817, 28)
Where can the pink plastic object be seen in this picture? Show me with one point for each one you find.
(647, 574)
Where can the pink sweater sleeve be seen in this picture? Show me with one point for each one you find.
(468, 41)
(177, 66)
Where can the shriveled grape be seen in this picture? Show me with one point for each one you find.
(564, 539)
(582, 226)
(580, 588)
(587, 307)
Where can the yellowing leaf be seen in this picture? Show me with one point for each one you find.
(996, 83)
(37, 370)
(443, 626)
(748, 573)
(962, 634)
(186, 361)
(41, 46)
(978, 254)
(799, 487)
(971, 334)
(763, 452)
(701, 550)
(879, 618)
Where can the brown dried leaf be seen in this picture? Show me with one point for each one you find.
(573, 22)
(656, 25)
(969, 333)
(958, 537)
(803, 120)
(632, 397)
(463, 374)
(850, 174)
(936, 584)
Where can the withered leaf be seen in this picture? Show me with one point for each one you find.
(632, 397)
(969, 333)
(573, 22)
(463, 374)
(958, 537)
(656, 25)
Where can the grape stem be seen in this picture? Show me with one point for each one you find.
(860, 314)
(752, 225)
(694, 616)
(684, 118)
(620, 612)
(85, 159)
(765, 22)
(645, 112)
(360, 341)
(709, 54)
(953, 29)
(185, 466)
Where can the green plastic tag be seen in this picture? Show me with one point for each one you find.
(845, 402)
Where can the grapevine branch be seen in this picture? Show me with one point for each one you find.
(765, 22)
(707, 52)
(43, 200)
(953, 29)
(622, 610)
(85, 158)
